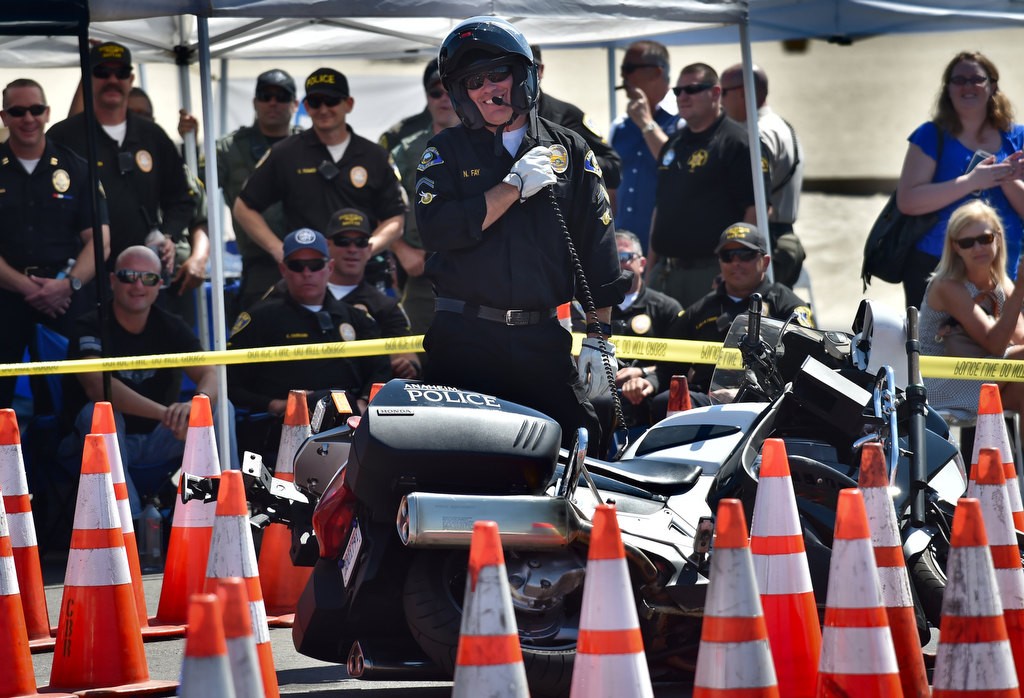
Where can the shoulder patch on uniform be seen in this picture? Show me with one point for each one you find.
(429, 158)
(241, 322)
(804, 315)
(589, 124)
(590, 164)
(764, 163)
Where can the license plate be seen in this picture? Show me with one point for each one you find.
(348, 560)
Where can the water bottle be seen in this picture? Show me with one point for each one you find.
(152, 537)
(155, 242)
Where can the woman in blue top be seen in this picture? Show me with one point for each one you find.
(971, 115)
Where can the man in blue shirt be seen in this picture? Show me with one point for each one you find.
(639, 136)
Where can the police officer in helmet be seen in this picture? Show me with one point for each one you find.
(498, 200)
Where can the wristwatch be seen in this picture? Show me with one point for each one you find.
(76, 283)
(650, 126)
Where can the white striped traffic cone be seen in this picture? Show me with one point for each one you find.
(974, 659)
(857, 654)
(990, 432)
(991, 491)
(192, 525)
(734, 657)
(18, 503)
(232, 555)
(784, 577)
(489, 661)
(610, 659)
(205, 672)
(17, 677)
(242, 656)
(892, 571)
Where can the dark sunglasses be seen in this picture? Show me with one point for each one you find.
(436, 94)
(495, 74)
(317, 101)
(625, 257)
(103, 72)
(727, 256)
(345, 241)
(983, 239)
(961, 80)
(628, 68)
(130, 276)
(693, 89)
(279, 97)
(300, 265)
(34, 110)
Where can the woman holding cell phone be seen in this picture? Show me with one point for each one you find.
(970, 149)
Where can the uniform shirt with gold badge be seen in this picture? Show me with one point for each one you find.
(280, 321)
(43, 214)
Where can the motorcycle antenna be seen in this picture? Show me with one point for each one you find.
(917, 398)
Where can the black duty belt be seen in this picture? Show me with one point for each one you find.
(505, 317)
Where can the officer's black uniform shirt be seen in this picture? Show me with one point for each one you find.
(650, 315)
(572, 117)
(298, 172)
(280, 321)
(704, 186)
(43, 214)
(143, 180)
(522, 260)
(709, 319)
(388, 312)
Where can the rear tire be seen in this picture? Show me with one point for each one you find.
(434, 589)
(929, 582)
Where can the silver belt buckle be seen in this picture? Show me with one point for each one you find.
(516, 317)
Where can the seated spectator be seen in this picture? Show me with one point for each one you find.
(972, 309)
(743, 259)
(152, 420)
(306, 314)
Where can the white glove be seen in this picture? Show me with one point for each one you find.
(531, 173)
(592, 369)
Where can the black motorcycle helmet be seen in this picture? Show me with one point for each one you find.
(480, 43)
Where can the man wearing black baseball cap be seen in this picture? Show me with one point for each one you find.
(140, 168)
(237, 154)
(317, 172)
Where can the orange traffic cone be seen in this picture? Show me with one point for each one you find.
(374, 389)
(734, 657)
(991, 491)
(242, 657)
(18, 504)
(564, 313)
(892, 572)
(98, 614)
(205, 672)
(857, 654)
(17, 677)
(991, 433)
(678, 396)
(610, 657)
(192, 526)
(232, 555)
(282, 581)
(783, 576)
(974, 657)
(489, 660)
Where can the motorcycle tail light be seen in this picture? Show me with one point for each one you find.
(332, 517)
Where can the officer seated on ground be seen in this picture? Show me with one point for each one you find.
(743, 259)
(306, 314)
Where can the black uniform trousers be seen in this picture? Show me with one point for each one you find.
(530, 365)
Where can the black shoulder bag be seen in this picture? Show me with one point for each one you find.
(893, 237)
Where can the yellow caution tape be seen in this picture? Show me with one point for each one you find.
(642, 348)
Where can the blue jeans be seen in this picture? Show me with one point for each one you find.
(148, 458)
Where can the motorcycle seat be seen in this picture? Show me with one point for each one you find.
(660, 477)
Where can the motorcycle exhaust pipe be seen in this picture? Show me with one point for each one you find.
(428, 520)
(391, 666)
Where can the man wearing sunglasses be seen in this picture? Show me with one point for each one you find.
(140, 168)
(742, 254)
(704, 185)
(46, 234)
(501, 264)
(152, 420)
(317, 172)
(305, 314)
(238, 152)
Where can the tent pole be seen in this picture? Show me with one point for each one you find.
(754, 136)
(216, 243)
(613, 73)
